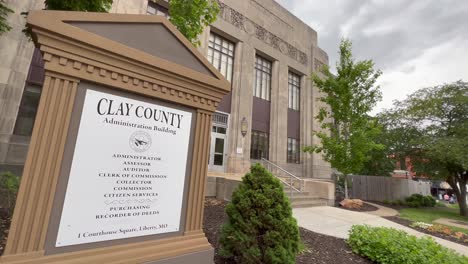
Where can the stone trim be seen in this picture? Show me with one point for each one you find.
(318, 65)
(86, 69)
(243, 23)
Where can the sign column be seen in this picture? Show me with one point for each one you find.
(47, 146)
(200, 157)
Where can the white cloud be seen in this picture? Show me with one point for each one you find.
(437, 65)
(415, 43)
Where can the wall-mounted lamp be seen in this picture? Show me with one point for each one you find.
(244, 126)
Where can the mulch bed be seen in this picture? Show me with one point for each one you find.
(321, 249)
(4, 226)
(364, 208)
(396, 207)
(407, 223)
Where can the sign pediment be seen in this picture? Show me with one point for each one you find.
(154, 39)
(147, 39)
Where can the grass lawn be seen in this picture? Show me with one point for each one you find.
(453, 206)
(428, 215)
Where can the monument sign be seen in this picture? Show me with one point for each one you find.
(118, 158)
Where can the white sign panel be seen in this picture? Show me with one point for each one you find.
(128, 171)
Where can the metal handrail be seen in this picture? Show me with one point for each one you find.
(291, 176)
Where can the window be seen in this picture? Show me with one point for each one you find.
(221, 55)
(218, 129)
(158, 8)
(293, 150)
(27, 110)
(259, 145)
(262, 83)
(294, 91)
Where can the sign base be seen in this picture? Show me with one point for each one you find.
(200, 257)
(189, 248)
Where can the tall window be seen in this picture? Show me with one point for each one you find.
(259, 145)
(27, 110)
(31, 94)
(294, 91)
(221, 55)
(262, 85)
(157, 8)
(293, 150)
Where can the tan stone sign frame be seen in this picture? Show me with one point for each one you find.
(72, 55)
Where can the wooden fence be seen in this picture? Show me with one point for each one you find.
(375, 188)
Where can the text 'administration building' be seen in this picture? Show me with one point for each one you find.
(265, 52)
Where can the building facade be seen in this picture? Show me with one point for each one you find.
(265, 52)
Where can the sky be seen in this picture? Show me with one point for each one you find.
(416, 44)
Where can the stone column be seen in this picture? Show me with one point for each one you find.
(241, 106)
(279, 113)
(306, 123)
(319, 168)
(274, 101)
(129, 7)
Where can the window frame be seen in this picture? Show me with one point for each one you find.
(262, 72)
(294, 91)
(160, 9)
(221, 52)
(292, 151)
(27, 110)
(260, 141)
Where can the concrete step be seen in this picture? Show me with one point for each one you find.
(309, 203)
(294, 193)
(302, 198)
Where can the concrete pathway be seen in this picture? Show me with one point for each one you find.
(337, 222)
(382, 211)
(452, 222)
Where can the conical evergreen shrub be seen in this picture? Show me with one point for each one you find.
(260, 226)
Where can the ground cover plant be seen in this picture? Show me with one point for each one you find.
(391, 246)
(260, 227)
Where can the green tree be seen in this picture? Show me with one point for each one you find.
(192, 16)
(438, 147)
(398, 136)
(348, 132)
(381, 161)
(260, 226)
(4, 11)
(79, 5)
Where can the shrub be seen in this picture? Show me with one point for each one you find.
(429, 201)
(260, 226)
(400, 202)
(386, 201)
(391, 246)
(418, 200)
(413, 204)
(9, 184)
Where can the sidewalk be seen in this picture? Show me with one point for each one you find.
(337, 222)
(382, 211)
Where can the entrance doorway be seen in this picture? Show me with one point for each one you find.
(218, 148)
